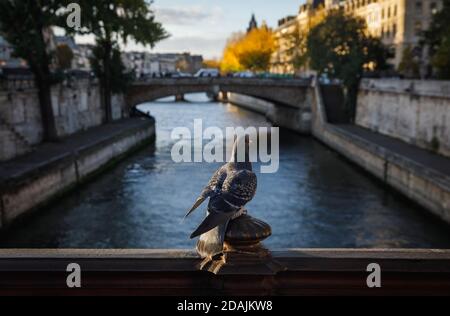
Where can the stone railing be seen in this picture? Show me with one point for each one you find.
(177, 272)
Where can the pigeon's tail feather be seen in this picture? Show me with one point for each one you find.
(211, 221)
(211, 242)
(197, 203)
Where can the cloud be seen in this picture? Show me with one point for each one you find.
(188, 15)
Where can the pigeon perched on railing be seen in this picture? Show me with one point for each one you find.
(231, 187)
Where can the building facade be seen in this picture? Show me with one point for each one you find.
(146, 64)
(398, 23)
(7, 60)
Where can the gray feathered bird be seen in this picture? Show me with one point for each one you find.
(231, 187)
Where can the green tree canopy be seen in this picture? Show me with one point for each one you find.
(341, 47)
(409, 66)
(113, 22)
(437, 38)
(296, 48)
(64, 56)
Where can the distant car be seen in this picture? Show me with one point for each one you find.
(179, 74)
(244, 74)
(208, 72)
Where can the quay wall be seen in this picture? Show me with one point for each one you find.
(419, 183)
(296, 119)
(76, 107)
(415, 111)
(39, 185)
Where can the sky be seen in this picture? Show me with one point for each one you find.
(203, 26)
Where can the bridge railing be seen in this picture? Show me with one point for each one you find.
(177, 272)
(226, 80)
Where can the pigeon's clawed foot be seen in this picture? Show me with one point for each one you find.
(205, 261)
(213, 263)
(242, 211)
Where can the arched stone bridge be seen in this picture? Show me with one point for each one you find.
(289, 92)
(292, 98)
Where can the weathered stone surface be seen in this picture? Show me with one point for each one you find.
(175, 272)
(291, 92)
(296, 119)
(420, 182)
(76, 108)
(415, 111)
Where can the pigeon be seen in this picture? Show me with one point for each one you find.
(231, 187)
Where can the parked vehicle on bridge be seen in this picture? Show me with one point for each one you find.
(208, 72)
(244, 74)
(179, 74)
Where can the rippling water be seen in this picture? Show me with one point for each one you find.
(316, 199)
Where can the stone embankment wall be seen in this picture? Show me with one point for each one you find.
(420, 183)
(77, 107)
(296, 119)
(415, 111)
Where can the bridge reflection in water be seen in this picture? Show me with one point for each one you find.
(316, 199)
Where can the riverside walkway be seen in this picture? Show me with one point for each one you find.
(417, 155)
(48, 153)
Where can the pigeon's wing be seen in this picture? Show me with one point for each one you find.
(214, 185)
(219, 212)
(240, 187)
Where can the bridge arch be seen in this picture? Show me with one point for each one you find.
(292, 98)
(293, 93)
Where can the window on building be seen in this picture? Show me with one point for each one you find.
(418, 6)
(392, 51)
(382, 14)
(394, 30)
(389, 12)
(418, 28)
(395, 10)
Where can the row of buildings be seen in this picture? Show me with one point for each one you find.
(398, 23)
(144, 64)
(150, 64)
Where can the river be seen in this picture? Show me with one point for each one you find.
(316, 199)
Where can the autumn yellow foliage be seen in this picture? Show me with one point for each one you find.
(211, 63)
(251, 51)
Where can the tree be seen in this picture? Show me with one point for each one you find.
(64, 56)
(250, 51)
(437, 38)
(296, 51)
(255, 50)
(340, 47)
(296, 41)
(26, 24)
(211, 63)
(113, 22)
(409, 66)
(230, 61)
